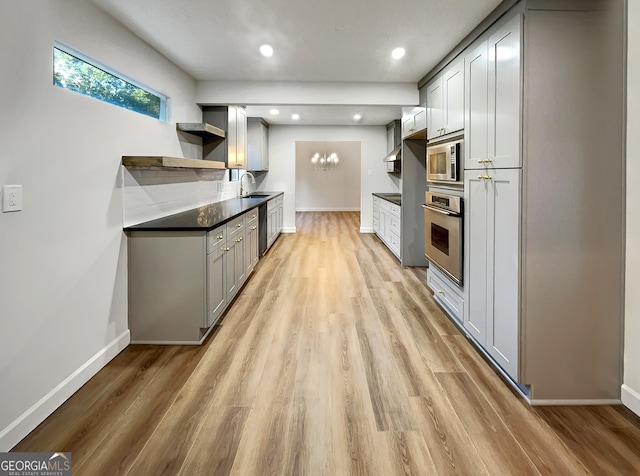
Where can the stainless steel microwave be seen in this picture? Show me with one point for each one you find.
(445, 162)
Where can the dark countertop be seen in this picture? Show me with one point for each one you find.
(206, 217)
(395, 198)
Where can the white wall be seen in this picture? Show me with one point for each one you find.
(282, 161)
(63, 286)
(336, 189)
(631, 387)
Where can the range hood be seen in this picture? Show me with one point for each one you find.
(394, 155)
(393, 160)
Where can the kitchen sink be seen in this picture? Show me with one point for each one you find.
(256, 195)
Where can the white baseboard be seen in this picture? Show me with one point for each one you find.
(631, 399)
(366, 229)
(568, 402)
(289, 229)
(25, 423)
(346, 209)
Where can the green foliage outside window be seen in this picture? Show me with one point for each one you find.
(72, 73)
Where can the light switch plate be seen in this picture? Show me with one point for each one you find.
(11, 198)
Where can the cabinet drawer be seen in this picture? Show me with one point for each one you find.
(235, 226)
(250, 217)
(272, 204)
(395, 210)
(444, 293)
(394, 244)
(280, 199)
(376, 201)
(394, 225)
(384, 205)
(215, 237)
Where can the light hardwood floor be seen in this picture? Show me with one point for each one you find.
(334, 360)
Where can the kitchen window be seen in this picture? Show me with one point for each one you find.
(76, 72)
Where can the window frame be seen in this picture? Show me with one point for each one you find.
(164, 99)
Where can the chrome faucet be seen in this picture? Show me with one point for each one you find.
(253, 180)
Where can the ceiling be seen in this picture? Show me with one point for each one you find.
(323, 40)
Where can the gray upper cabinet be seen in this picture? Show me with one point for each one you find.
(232, 150)
(394, 135)
(241, 139)
(445, 101)
(492, 94)
(257, 144)
(414, 122)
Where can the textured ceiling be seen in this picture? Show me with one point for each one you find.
(322, 40)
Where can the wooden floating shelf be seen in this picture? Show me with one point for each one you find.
(170, 162)
(201, 129)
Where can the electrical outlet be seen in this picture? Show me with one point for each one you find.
(11, 198)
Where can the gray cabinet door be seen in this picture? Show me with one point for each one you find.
(492, 221)
(217, 295)
(251, 247)
(477, 269)
(240, 259)
(435, 105)
(504, 85)
(476, 108)
(257, 144)
(391, 140)
(231, 282)
(383, 225)
(265, 148)
(503, 256)
(453, 83)
(232, 137)
(241, 138)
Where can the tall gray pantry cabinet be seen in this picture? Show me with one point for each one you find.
(544, 183)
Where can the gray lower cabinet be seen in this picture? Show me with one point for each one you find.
(492, 270)
(448, 295)
(275, 215)
(251, 241)
(180, 282)
(387, 224)
(216, 265)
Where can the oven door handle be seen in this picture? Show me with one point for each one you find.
(444, 212)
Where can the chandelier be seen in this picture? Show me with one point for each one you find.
(324, 162)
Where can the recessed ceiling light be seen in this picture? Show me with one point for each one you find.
(357, 117)
(295, 117)
(267, 51)
(275, 112)
(398, 53)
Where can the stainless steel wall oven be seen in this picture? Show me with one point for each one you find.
(443, 233)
